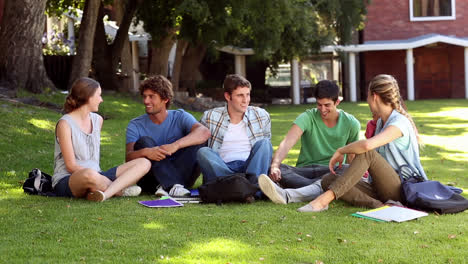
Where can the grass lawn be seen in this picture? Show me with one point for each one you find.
(59, 230)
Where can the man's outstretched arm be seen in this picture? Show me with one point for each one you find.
(291, 138)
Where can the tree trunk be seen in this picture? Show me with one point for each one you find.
(102, 56)
(180, 50)
(126, 75)
(107, 57)
(21, 62)
(160, 55)
(255, 70)
(84, 54)
(190, 74)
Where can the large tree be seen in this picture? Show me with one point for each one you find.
(21, 62)
(84, 52)
(162, 20)
(127, 69)
(106, 57)
(94, 51)
(194, 24)
(278, 30)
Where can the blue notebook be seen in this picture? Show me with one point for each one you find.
(194, 193)
(163, 202)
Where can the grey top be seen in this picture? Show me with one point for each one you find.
(403, 150)
(85, 146)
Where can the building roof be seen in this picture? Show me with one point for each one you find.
(401, 44)
(237, 50)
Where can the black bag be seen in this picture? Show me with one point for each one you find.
(38, 183)
(238, 187)
(429, 195)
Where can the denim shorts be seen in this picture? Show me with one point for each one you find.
(62, 188)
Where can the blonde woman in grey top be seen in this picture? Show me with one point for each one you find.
(76, 159)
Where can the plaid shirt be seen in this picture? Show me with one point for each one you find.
(217, 120)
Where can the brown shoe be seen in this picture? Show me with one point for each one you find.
(250, 199)
(96, 196)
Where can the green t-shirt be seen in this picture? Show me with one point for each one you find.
(319, 142)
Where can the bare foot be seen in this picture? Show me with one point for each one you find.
(323, 200)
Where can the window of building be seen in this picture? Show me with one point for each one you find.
(430, 10)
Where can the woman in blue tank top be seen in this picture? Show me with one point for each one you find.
(77, 148)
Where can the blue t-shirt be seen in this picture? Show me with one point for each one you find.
(403, 150)
(177, 124)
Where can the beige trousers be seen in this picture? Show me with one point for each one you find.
(349, 187)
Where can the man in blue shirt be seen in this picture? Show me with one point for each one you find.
(240, 134)
(169, 138)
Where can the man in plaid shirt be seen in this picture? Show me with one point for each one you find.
(240, 134)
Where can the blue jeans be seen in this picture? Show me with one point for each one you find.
(213, 166)
(179, 168)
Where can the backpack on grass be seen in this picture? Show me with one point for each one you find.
(38, 182)
(430, 195)
(237, 187)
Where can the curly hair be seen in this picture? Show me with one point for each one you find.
(160, 85)
(81, 90)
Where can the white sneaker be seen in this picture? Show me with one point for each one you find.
(160, 192)
(178, 190)
(271, 190)
(134, 190)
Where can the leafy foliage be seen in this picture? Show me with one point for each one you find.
(277, 30)
(58, 7)
(58, 43)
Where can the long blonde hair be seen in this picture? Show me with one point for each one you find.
(386, 87)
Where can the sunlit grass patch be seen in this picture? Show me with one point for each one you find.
(216, 250)
(154, 226)
(453, 112)
(44, 124)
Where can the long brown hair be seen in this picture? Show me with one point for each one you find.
(82, 89)
(386, 87)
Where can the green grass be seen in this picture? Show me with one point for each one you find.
(55, 230)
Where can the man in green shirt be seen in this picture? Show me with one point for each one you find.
(322, 131)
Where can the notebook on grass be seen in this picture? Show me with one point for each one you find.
(187, 199)
(391, 213)
(163, 202)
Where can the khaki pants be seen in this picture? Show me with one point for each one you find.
(349, 187)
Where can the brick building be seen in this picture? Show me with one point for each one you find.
(423, 43)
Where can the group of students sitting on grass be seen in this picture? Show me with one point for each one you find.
(167, 149)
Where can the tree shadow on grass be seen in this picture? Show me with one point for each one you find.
(444, 166)
(435, 105)
(443, 126)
